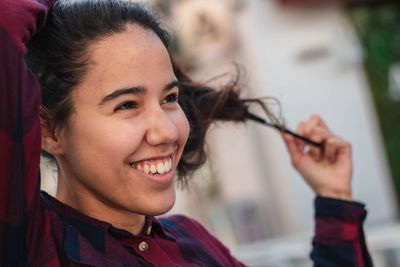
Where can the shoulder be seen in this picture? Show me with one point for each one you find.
(193, 233)
(182, 222)
(188, 229)
(184, 227)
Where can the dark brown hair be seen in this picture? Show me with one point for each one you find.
(204, 105)
(58, 55)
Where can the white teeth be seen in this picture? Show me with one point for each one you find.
(153, 168)
(146, 169)
(160, 167)
(169, 164)
(166, 166)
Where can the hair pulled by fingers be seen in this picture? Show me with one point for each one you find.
(204, 105)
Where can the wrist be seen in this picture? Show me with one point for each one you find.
(342, 195)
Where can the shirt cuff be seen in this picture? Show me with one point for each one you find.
(339, 209)
(338, 219)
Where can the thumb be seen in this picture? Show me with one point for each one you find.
(295, 152)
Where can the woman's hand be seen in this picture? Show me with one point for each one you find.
(328, 170)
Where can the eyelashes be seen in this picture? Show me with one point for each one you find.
(126, 106)
(171, 98)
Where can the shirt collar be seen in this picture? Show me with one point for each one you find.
(70, 214)
(75, 218)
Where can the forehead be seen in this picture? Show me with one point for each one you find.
(135, 46)
(131, 58)
(133, 41)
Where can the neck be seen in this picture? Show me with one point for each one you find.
(93, 207)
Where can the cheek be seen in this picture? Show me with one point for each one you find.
(105, 139)
(183, 126)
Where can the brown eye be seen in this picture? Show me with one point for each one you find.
(126, 106)
(171, 98)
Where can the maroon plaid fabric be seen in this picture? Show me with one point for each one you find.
(38, 230)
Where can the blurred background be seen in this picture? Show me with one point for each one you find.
(339, 59)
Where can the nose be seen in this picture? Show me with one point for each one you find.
(162, 128)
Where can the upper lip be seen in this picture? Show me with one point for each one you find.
(159, 157)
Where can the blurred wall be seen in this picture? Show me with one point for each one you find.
(311, 61)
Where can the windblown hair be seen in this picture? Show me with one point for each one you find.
(204, 105)
(59, 56)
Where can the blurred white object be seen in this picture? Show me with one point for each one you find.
(48, 170)
(383, 242)
(394, 82)
(204, 29)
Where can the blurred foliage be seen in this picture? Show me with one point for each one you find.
(378, 27)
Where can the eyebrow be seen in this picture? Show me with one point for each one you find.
(137, 90)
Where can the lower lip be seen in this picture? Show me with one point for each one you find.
(164, 179)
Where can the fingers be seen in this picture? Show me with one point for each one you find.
(298, 149)
(295, 151)
(334, 147)
(330, 150)
(320, 135)
(317, 130)
(313, 121)
(301, 130)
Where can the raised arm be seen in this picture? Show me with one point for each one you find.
(339, 238)
(19, 131)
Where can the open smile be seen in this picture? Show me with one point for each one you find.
(154, 167)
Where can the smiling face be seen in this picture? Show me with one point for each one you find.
(119, 152)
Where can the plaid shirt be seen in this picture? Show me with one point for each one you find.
(38, 230)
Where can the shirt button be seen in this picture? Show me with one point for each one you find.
(143, 246)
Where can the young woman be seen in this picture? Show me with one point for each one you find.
(120, 120)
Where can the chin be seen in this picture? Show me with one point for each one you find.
(160, 206)
(156, 211)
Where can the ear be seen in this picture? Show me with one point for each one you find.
(51, 141)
